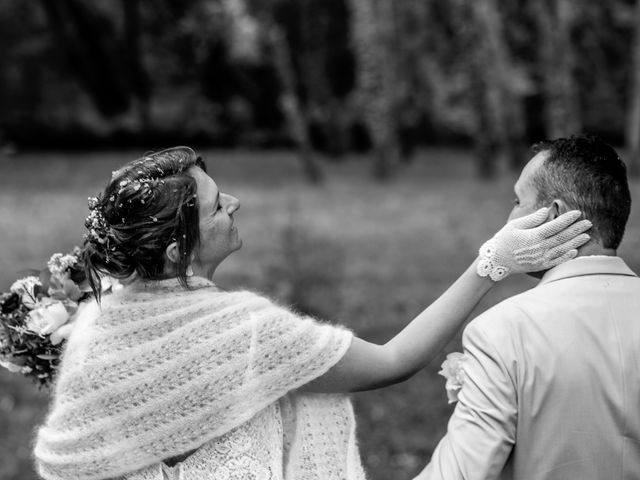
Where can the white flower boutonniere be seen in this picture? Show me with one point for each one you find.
(452, 370)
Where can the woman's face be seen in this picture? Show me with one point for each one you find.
(218, 235)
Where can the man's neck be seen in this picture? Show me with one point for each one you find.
(587, 250)
(593, 248)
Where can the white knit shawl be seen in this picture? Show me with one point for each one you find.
(162, 370)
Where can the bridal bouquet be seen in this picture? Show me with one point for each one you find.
(37, 315)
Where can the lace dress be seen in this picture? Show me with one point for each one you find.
(252, 451)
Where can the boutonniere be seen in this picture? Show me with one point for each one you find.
(452, 369)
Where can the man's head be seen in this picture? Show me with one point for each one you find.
(578, 173)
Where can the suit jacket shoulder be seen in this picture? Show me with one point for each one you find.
(499, 323)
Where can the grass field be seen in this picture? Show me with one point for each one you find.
(354, 251)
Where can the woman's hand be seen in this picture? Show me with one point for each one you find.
(528, 244)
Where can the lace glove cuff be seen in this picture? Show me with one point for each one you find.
(527, 244)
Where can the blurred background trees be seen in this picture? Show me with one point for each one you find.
(325, 77)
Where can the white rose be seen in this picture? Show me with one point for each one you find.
(47, 318)
(452, 369)
(62, 288)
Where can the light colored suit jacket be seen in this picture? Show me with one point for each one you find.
(552, 388)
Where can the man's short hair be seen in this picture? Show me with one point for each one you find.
(589, 176)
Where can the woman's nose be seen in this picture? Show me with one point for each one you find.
(231, 203)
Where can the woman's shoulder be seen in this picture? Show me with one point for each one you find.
(153, 298)
(166, 289)
(254, 302)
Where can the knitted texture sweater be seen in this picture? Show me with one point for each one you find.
(160, 371)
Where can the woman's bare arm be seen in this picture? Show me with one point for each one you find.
(367, 366)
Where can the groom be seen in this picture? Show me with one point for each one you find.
(552, 387)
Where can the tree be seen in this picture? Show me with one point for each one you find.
(87, 40)
(497, 87)
(633, 114)
(555, 20)
(296, 117)
(317, 33)
(280, 56)
(139, 78)
(373, 30)
(414, 64)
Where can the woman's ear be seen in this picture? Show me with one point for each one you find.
(172, 253)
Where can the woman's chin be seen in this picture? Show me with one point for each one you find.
(236, 241)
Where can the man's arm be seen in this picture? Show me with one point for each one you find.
(482, 429)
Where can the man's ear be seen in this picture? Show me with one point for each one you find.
(557, 208)
(172, 253)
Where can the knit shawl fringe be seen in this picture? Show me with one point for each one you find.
(160, 370)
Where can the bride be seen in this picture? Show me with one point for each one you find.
(174, 378)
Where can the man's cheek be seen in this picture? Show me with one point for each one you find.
(521, 211)
(514, 214)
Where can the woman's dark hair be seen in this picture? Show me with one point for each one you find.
(148, 204)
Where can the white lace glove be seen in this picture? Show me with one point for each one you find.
(527, 244)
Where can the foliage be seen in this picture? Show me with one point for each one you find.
(88, 73)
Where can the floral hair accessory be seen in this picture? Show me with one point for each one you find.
(96, 223)
(452, 369)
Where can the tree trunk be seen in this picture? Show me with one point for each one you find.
(139, 79)
(485, 141)
(633, 115)
(414, 86)
(555, 20)
(81, 36)
(295, 115)
(372, 30)
(503, 124)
